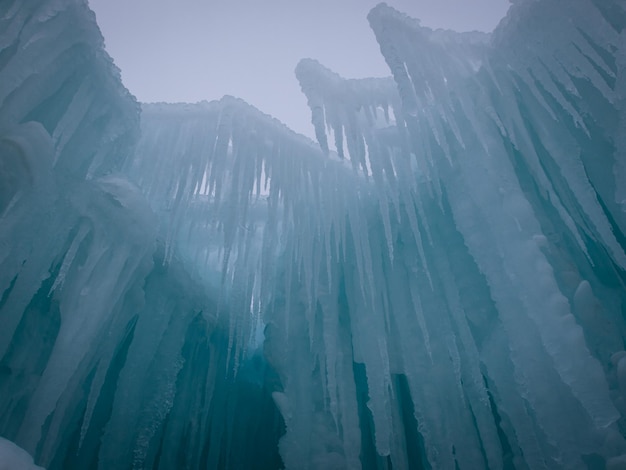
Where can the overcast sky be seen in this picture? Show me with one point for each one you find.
(193, 50)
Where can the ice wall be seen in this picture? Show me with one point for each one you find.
(65, 119)
(437, 283)
(111, 353)
(506, 152)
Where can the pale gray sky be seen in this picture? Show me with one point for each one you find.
(192, 50)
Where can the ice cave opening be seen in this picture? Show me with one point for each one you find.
(438, 282)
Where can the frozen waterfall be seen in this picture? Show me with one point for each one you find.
(439, 282)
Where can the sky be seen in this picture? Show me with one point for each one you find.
(193, 50)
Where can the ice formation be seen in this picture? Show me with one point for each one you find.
(14, 458)
(438, 282)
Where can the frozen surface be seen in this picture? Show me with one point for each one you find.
(438, 282)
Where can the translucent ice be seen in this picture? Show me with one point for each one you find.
(438, 282)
